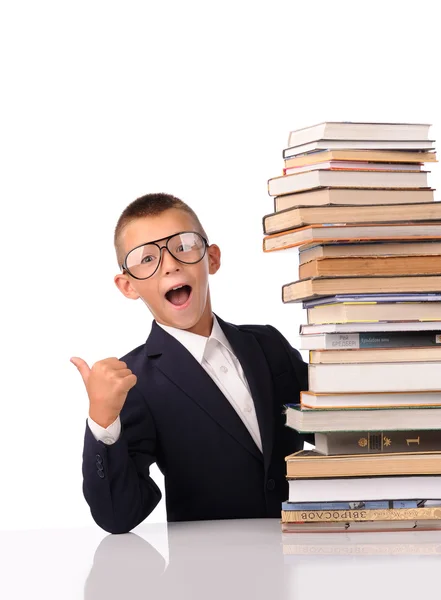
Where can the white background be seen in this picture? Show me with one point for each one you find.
(102, 102)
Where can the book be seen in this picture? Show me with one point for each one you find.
(308, 464)
(362, 232)
(373, 505)
(368, 399)
(304, 289)
(288, 184)
(402, 145)
(318, 420)
(356, 341)
(374, 355)
(362, 526)
(364, 489)
(376, 265)
(368, 442)
(353, 197)
(375, 377)
(353, 312)
(300, 216)
(390, 514)
(386, 249)
(353, 165)
(346, 130)
(389, 326)
(375, 156)
(338, 298)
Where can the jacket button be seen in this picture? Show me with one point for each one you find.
(99, 466)
(100, 474)
(99, 458)
(271, 484)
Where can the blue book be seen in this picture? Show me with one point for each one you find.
(371, 505)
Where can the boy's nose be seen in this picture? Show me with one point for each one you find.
(169, 262)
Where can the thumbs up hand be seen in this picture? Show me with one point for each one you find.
(107, 383)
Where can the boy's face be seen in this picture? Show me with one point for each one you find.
(155, 291)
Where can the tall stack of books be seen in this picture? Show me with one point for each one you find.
(355, 199)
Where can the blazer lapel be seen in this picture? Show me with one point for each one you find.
(256, 369)
(181, 368)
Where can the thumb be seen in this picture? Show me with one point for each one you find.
(82, 367)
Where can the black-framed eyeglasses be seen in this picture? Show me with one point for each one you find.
(188, 247)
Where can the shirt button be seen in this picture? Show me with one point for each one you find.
(248, 408)
(224, 369)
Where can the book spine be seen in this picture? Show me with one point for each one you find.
(370, 505)
(378, 442)
(334, 341)
(326, 516)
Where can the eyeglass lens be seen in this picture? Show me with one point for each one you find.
(186, 247)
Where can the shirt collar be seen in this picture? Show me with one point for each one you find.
(196, 343)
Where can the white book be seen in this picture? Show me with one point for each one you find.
(358, 327)
(375, 377)
(327, 420)
(358, 145)
(288, 184)
(359, 489)
(351, 130)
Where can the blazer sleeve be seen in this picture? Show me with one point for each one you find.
(116, 478)
(300, 368)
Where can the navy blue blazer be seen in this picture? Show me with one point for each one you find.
(177, 416)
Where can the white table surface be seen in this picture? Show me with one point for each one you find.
(218, 559)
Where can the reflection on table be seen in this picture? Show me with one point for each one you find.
(252, 559)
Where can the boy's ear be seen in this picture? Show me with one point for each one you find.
(214, 258)
(122, 282)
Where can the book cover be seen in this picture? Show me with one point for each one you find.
(309, 464)
(301, 216)
(332, 233)
(376, 265)
(390, 514)
(374, 442)
(370, 339)
(306, 289)
(318, 420)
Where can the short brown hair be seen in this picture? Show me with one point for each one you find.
(149, 205)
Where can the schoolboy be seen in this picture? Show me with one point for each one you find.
(202, 398)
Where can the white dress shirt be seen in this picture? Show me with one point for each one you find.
(216, 357)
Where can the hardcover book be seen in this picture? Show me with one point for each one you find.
(310, 464)
(306, 289)
(347, 130)
(375, 265)
(364, 489)
(350, 233)
(390, 514)
(370, 339)
(326, 420)
(358, 312)
(374, 442)
(368, 156)
(301, 216)
(288, 184)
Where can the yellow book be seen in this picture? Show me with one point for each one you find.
(389, 514)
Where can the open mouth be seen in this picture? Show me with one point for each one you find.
(179, 295)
